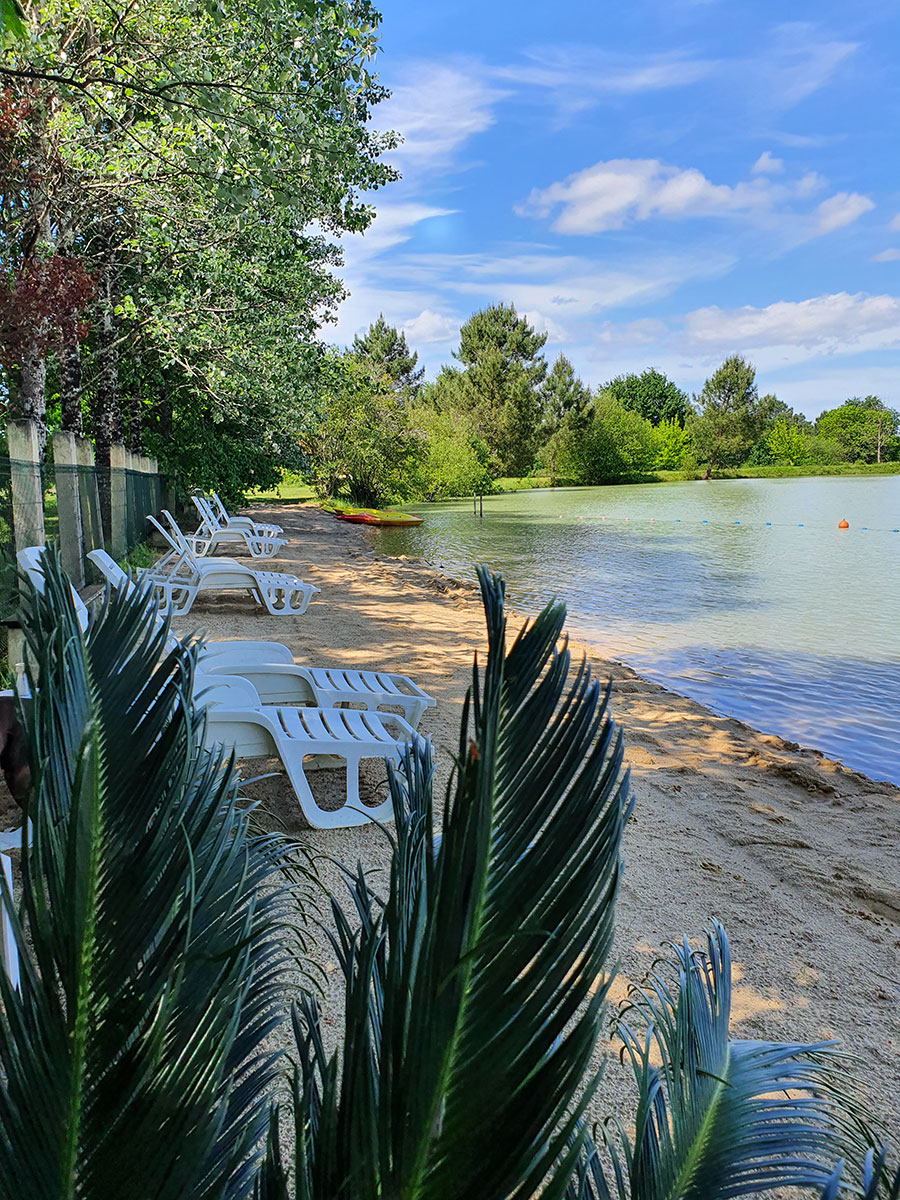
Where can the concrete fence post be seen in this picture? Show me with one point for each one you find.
(89, 495)
(68, 498)
(118, 500)
(25, 484)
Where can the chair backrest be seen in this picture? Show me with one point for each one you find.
(111, 571)
(220, 508)
(117, 578)
(175, 539)
(209, 522)
(30, 561)
(225, 691)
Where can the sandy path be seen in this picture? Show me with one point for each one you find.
(797, 856)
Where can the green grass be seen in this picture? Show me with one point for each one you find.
(284, 493)
(785, 472)
(527, 482)
(141, 555)
(522, 484)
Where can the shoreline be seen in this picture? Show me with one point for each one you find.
(794, 853)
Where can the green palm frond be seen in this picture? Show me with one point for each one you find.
(152, 929)
(474, 995)
(878, 1182)
(719, 1117)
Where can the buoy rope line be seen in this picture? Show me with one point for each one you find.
(842, 525)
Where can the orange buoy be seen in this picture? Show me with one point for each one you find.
(843, 524)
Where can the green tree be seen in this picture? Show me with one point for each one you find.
(499, 384)
(360, 441)
(786, 443)
(455, 461)
(567, 404)
(729, 416)
(866, 429)
(204, 158)
(384, 350)
(651, 395)
(614, 444)
(670, 442)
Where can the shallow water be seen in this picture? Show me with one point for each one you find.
(742, 594)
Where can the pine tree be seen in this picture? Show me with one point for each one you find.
(383, 348)
(500, 385)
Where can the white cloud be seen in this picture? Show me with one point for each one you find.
(610, 194)
(798, 63)
(430, 326)
(577, 78)
(841, 209)
(544, 324)
(563, 288)
(892, 255)
(894, 223)
(393, 224)
(437, 107)
(809, 184)
(766, 164)
(839, 323)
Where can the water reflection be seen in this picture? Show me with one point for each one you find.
(742, 594)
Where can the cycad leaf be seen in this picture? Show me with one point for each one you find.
(152, 934)
(473, 1000)
(720, 1118)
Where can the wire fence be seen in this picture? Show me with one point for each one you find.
(136, 495)
(72, 502)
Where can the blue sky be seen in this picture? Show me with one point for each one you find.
(658, 183)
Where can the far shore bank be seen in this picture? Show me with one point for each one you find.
(795, 854)
(303, 493)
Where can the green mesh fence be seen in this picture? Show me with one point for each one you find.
(141, 495)
(113, 506)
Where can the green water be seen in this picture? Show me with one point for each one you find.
(766, 611)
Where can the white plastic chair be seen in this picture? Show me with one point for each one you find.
(30, 564)
(210, 534)
(270, 667)
(227, 522)
(11, 839)
(236, 718)
(181, 576)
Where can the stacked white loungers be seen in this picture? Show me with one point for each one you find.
(260, 702)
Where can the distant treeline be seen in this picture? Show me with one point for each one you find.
(502, 411)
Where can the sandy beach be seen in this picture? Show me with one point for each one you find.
(796, 855)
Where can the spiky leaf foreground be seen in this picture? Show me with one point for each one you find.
(150, 928)
(474, 996)
(719, 1117)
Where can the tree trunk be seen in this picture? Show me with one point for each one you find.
(135, 413)
(105, 416)
(33, 390)
(70, 388)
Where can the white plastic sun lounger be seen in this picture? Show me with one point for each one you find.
(210, 534)
(181, 576)
(236, 718)
(220, 512)
(270, 667)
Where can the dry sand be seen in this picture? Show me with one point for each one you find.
(797, 856)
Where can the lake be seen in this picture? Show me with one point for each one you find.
(742, 594)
